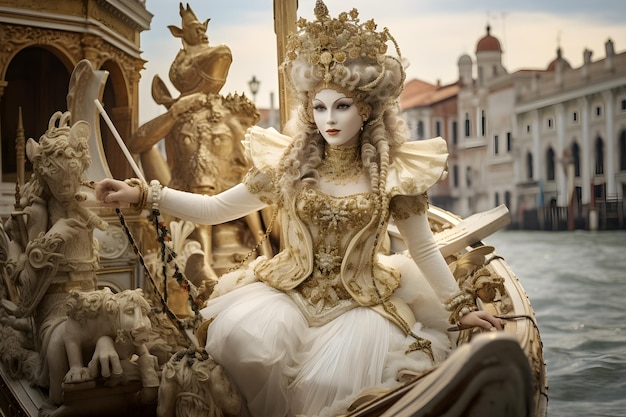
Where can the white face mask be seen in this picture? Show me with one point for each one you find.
(337, 118)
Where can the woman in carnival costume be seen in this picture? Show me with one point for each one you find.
(330, 317)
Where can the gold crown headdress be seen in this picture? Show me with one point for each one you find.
(330, 43)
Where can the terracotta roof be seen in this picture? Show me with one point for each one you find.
(419, 93)
(488, 43)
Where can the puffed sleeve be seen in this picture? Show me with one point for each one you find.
(416, 166)
(264, 148)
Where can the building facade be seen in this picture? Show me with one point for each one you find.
(431, 110)
(549, 143)
(41, 43)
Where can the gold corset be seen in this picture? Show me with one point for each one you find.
(332, 222)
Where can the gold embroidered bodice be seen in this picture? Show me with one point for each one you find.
(332, 223)
(414, 167)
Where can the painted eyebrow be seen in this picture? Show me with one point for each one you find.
(318, 101)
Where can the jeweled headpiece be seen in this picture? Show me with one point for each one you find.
(330, 45)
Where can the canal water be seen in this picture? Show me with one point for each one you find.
(576, 282)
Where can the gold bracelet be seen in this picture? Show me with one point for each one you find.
(460, 305)
(143, 193)
(457, 299)
(459, 312)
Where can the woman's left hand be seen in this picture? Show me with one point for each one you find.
(482, 319)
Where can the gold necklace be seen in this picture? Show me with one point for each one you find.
(341, 164)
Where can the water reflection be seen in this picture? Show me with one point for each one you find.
(576, 282)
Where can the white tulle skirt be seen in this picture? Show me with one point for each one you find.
(283, 367)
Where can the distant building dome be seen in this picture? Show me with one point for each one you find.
(559, 58)
(465, 66)
(464, 59)
(488, 43)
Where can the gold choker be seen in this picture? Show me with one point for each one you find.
(341, 163)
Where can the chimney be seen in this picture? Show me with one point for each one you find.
(558, 68)
(586, 62)
(610, 54)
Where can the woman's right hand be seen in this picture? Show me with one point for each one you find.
(114, 192)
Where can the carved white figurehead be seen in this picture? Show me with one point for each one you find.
(87, 85)
(61, 156)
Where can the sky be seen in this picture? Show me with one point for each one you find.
(432, 35)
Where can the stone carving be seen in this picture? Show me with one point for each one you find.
(203, 131)
(53, 311)
(194, 385)
(47, 245)
(113, 327)
(85, 339)
(17, 37)
(51, 247)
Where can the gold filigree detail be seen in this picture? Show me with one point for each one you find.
(329, 47)
(404, 206)
(333, 221)
(262, 185)
(328, 43)
(423, 345)
(341, 164)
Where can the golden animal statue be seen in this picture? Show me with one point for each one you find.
(203, 131)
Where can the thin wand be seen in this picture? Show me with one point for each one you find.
(119, 140)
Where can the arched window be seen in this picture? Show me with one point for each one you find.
(529, 166)
(37, 82)
(412, 126)
(550, 164)
(576, 155)
(622, 151)
(483, 123)
(420, 130)
(455, 133)
(599, 156)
